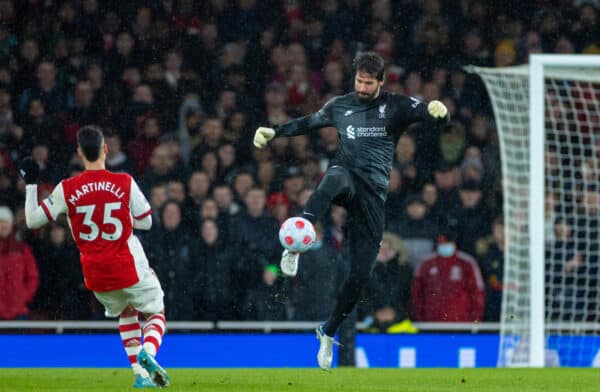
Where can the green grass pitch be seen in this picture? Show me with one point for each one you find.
(294, 380)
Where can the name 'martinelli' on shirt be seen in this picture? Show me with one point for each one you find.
(105, 186)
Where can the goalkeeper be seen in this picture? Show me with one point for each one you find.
(369, 122)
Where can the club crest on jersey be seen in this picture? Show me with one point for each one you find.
(382, 111)
(456, 273)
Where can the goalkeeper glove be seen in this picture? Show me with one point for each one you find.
(29, 170)
(262, 136)
(437, 109)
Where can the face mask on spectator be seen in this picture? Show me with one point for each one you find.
(446, 250)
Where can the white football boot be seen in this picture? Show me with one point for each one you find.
(289, 263)
(325, 354)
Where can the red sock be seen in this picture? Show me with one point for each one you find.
(153, 333)
(131, 335)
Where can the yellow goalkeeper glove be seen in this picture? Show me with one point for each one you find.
(437, 109)
(262, 136)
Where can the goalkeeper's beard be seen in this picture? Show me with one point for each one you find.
(366, 98)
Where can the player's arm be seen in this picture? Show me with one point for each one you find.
(410, 110)
(295, 127)
(37, 215)
(140, 208)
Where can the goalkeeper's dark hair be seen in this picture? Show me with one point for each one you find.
(90, 141)
(370, 63)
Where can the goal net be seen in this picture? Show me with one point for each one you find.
(548, 120)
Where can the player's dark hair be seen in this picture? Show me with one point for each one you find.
(370, 63)
(90, 141)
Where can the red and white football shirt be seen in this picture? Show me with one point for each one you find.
(100, 206)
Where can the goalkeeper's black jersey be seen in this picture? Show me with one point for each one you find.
(368, 132)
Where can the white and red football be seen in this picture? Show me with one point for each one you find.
(297, 234)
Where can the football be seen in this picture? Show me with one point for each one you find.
(297, 234)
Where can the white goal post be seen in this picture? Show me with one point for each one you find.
(548, 119)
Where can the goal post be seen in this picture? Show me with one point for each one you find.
(546, 114)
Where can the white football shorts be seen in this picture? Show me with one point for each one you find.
(146, 296)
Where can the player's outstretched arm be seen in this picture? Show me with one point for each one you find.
(36, 215)
(410, 110)
(297, 126)
(140, 208)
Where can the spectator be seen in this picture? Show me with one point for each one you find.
(116, 159)
(161, 168)
(8, 136)
(122, 56)
(190, 119)
(61, 293)
(429, 194)
(566, 274)
(46, 90)
(254, 235)
(242, 183)
(446, 181)
(176, 191)
(168, 249)
(586, 26)
(267, 301)
(198, 189)
(335, 233)
(212, 137)
(227, 162)
(447, 285)
(410, 169)
(279, 206)
(209, 163)
(472, 165)
(505, 54)
(158, 198)
(28, 60)
(492, 270)
(83, 110)
(142, 103)
(415, 228)
(223, 195)
(312, 171)
(293, 183)
(389, 287)
(147, 133)
(265, 176)
(473, 218)
(18, 271)
(40, 128)
(453, 143)
(213, 261)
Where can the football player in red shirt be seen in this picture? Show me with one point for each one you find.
(103, 208)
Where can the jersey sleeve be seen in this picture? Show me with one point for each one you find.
(55, 204)
(410, 110)
(48, 210)
(305, 124)
(138, 204)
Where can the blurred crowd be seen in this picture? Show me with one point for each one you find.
(179, 86)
